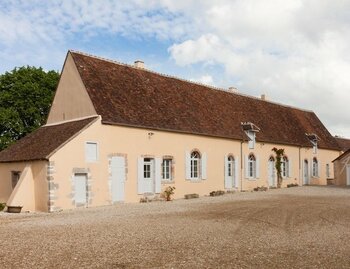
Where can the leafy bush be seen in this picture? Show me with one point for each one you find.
(2, 206)
(262, 188)
(191, 196)
(292, 185)
(216, 193)
(168, 192)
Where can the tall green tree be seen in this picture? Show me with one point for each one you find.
(26, 95)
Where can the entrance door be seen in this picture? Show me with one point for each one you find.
(80, 183)
(306, 172)
(148, 175)
(118, 178)
(271, 169)
(348, 175)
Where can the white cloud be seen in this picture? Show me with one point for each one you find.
(205, 79)
(296, 51)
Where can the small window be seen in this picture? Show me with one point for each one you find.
(166, 169)
(251, 142)
(147, 168)
(230, 166)
(251, 166)
(314, 167)
(91, 152)
(195, 165)
(15, 178)
(285, 167)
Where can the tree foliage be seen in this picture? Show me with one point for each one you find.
(26, 95)
(279, 155)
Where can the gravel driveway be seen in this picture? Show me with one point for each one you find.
(304, 227)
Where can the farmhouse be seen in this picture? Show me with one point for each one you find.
(117, 133)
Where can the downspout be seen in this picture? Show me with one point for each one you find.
(300, 172)
(241, 173)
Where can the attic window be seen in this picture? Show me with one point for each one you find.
(314, 140)
(250, 129)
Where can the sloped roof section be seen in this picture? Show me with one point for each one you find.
(42, 142)
(125, 95)
(343, 143)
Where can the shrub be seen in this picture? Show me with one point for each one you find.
(168, 192)
(2, 206)
(216, 193)
(292, 185)
(191, 196)
(262, 188)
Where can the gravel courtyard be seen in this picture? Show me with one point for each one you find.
(304, 227)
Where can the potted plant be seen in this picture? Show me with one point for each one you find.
(168, 192)
(14, 209)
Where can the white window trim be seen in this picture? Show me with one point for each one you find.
(315, 170)
(97, 151)
(253, 176)
(170, 179)
(198, 178)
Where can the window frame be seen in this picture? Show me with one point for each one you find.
(167, 164)
(195, 160)
(285, 167)
(251, 166)
(87, 159)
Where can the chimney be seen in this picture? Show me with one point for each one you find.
(264, 97)
(139, 64)
(232, 89)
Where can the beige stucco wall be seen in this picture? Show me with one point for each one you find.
(135, 142)
(71, 99)
(30, 192)
(340, 168)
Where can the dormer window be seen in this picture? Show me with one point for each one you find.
(250, 130)
(313, 139)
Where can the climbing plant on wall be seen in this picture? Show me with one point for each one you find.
(279, 155)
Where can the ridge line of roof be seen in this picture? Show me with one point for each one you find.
(188, 81)
(71, 120)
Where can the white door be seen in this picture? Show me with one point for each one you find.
(148, 175)
(271, 169)
(118, 178)
(348, 175)
(80, 184)
(306, 172)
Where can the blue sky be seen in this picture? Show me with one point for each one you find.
(295, 51)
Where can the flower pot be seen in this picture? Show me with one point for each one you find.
(14, 209)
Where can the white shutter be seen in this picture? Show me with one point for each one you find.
(140, 181)
(237, 167)
(246, 167)
(188, 164)
(227, 181)
(204, 166)
(91, 152)
(289, 168)
(158, 175)
(257, 167)
(319, 168)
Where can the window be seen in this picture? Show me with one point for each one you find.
(166, 169)
(314, 167)
(147, 166)
(328, 174)
(15, 178)
(91, 151)
(285, 167)
(195, 162)
(251, 166)
(230, 166)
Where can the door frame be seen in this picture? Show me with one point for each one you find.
(80, 204)
(120, 184)
(150, 161)
(273, 174)
(306, 176)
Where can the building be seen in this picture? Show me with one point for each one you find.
(118, 133)
(342, 163)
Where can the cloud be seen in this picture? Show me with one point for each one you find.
(296, 51)
(205, 79)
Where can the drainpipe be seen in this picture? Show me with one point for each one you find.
(241, 173)
(300, 172)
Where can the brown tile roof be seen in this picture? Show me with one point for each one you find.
(346, 153)
(125, 95)
(343, 143)
(42, 142)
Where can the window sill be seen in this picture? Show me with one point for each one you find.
(252, 178)
(199, 180)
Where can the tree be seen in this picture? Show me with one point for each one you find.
(26, 95)
(279, 155)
